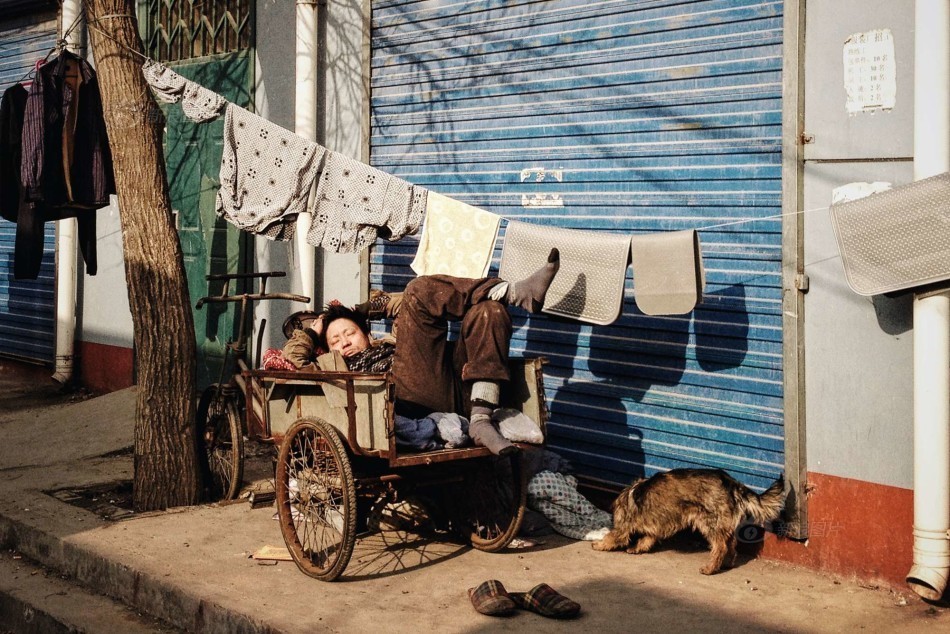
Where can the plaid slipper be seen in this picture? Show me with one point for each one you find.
(491, 598)
(546, 601)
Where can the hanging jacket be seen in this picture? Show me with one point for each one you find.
(12, 107)
(66, 158)
(30, 216)
(37, 130)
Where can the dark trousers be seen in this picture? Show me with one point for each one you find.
(433, 374)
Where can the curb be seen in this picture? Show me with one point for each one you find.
(172, 604)
(35, 601)
(20, 616)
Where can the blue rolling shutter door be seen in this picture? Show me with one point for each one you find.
(645, 116)
(26, 306)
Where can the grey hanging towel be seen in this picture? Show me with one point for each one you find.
(897, 239)
(668, 274)
(588, 286)
(266, 174)
(354, 201)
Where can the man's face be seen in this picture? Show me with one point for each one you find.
(344, 335)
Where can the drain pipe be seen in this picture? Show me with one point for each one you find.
(305, 125)
(928, 575)
(67, 245)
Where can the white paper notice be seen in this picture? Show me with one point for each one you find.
(870, 78)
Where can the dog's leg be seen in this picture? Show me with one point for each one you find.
(731, 553)
(720, 548)
(611, 541)
(643, 545)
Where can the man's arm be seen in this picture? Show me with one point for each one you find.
(301, 349)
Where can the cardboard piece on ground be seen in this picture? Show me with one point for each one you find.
(272, 553)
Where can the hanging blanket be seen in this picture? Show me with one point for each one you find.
(197, 102)
(457, 239)
(266, 174)
(668, 277)
(897, 239)
(354, 202)
(589, 285)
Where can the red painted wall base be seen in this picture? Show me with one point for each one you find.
(856, 529)
(103, 368)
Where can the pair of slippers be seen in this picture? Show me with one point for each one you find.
(491, 598)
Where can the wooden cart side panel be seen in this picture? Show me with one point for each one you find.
(288, 401)
(525, 390)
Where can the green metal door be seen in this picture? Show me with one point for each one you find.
(209, 243)
(210, 42)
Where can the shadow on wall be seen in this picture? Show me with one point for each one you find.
(894, 312)
(721, 326)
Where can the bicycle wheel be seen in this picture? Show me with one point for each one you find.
(316, 499)
(491, 502)
(220, 443)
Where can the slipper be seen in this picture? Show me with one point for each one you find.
(491, 598)
(546, 601)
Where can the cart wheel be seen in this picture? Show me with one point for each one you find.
(492, 502)
(316, 499)
(220, 443)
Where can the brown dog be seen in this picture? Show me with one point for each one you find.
(707, 500)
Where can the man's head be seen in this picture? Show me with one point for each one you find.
(345, 330)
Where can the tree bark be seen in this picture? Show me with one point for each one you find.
(165, 448)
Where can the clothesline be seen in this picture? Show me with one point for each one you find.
(704, 228)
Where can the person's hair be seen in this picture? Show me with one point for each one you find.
(339, 311)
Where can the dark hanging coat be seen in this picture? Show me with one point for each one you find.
(53, 108)
(12, 107)
(36, 130)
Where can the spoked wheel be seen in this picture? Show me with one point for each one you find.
(316, 499)
(491, 502)
(220, 442)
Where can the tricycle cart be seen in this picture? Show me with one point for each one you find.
(338, 453)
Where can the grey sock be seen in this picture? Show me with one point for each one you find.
(529, 293)
(484, 433)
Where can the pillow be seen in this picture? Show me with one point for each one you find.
(516, 426)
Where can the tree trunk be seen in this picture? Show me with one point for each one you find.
(166, 467)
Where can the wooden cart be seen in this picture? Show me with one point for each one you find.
(337, 453)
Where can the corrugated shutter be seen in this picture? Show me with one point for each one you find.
(26, 306)
(625, 117)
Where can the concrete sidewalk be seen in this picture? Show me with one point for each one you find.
(191, 567)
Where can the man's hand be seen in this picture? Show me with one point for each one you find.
(317, 325)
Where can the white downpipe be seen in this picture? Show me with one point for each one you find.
(928, 575)
(67, 244)
(305, 124)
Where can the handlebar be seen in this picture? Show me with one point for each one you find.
(213, 277)
(219, 299)
(245, 297)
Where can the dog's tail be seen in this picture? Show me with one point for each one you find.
(767, 506)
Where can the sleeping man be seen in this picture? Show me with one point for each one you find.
(432, 374)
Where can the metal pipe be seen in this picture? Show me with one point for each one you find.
(305, 124)
(67, 244)
(928, 575)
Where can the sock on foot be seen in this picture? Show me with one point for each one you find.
(484, 433)
(529, 293)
